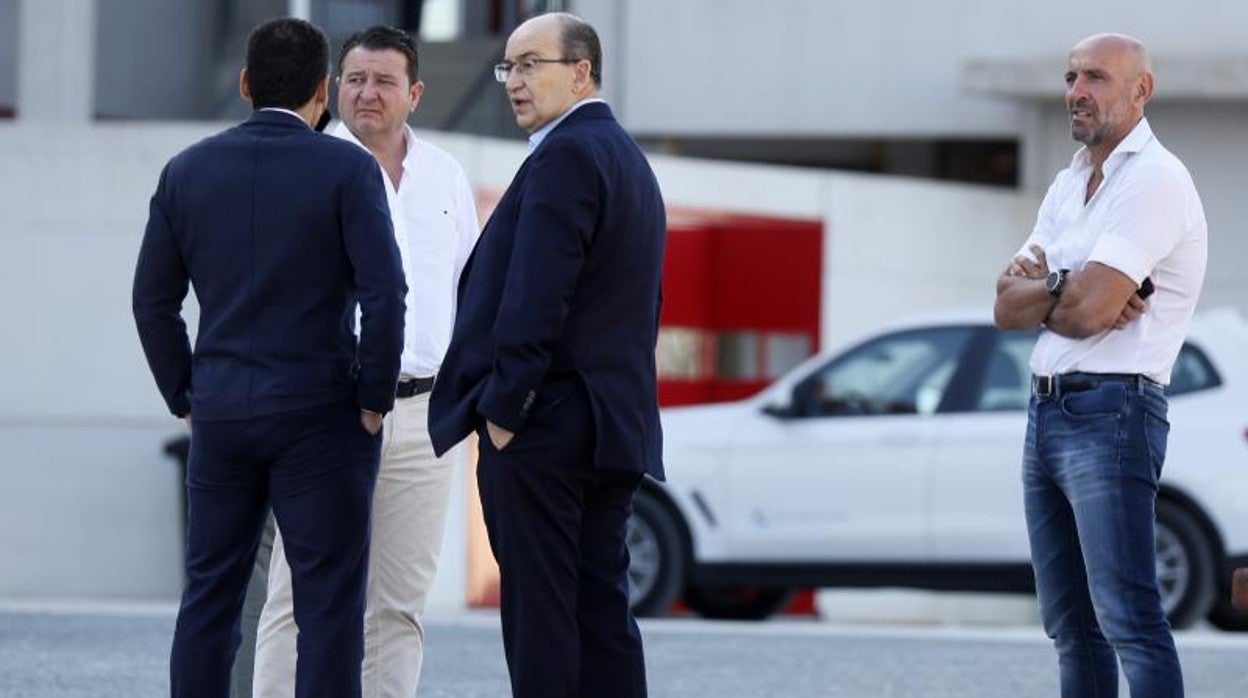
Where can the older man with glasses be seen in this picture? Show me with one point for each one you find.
(552, 364)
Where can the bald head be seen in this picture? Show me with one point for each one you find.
(1128, 48)
(576, 38)
(557, 62)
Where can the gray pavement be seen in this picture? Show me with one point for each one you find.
(122, 653)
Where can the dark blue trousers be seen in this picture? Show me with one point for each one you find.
(557, 527)
(316, 467)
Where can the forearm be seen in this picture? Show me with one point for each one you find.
(1082, 312)
(1022, 303)
(1072, 320)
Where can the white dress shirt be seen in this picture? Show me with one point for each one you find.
(435, 225)
(1145, 220)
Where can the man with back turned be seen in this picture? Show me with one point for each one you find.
(552, 364)
(435, 226)
(281, 231)
(1123, 221)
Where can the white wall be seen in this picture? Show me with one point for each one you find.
(156, 58)
(846, 69)
(899, 246)
(8, 52)
(89, 503)
(892, 245)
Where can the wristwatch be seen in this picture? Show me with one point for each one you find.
(1056, 282)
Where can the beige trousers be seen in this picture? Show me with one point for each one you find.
(409, 517)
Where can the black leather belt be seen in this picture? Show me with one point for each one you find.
(1048, 386)
(411, 387)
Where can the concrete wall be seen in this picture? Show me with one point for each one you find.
(89, 504)
(892, 245)
(154, 58)
(8, 53)
(844, 69)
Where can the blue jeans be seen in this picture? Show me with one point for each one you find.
(1090, 469)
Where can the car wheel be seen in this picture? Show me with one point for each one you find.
(737, 603)
(1185, 569)
(656, 566)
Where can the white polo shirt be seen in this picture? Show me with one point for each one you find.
(1145, 220)
(435, 224)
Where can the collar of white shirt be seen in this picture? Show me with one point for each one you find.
(409, 137)
(539, 136)
(1135, 141)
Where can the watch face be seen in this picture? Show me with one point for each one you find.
(1054, 282)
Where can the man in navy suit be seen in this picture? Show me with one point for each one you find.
(552, 363)
(280, 230)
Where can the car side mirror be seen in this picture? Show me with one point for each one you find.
(778, 410)
(803, 401)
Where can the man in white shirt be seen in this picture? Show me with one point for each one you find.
(1122, 220)
(435, 224)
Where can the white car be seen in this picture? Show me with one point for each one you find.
(896, 462)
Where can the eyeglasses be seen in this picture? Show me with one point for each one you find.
(526, 67)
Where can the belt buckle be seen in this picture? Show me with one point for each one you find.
(405, 388)
(1042, 386)
(410, 386)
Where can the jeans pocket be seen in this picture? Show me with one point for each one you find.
(1156, 435)
(1106, 401)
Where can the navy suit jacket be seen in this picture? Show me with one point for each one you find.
(280, 230)
(564, 282)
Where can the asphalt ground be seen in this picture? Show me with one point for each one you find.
(122, 652)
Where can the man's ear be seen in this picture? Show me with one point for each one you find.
(244, 88)
(1144, 90)
(414, 97)
(583, 78)
(322, 90)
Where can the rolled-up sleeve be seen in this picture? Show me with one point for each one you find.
(1143, 226)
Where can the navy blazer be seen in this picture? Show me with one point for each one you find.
(564, 282)
(280, 230)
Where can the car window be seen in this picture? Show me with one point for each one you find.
(903, 373)
(1192, 372)
(1007, 379)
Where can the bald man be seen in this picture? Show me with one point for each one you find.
(1110, 277)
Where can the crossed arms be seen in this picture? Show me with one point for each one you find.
(1095, 298)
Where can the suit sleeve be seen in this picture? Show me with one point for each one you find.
(555, 226)
(160, 286)
(380, 288)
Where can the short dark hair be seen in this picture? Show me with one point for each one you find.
(380, 38)
(287, 59)
(580, 41)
